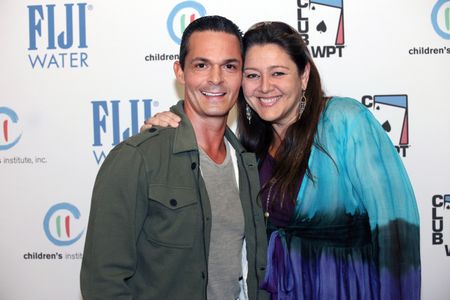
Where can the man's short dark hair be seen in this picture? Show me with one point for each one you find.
(208, 23)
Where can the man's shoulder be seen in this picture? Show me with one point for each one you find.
(153, 135)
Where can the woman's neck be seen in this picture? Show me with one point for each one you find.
(275, 145)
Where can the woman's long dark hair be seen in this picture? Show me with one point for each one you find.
(294, 151)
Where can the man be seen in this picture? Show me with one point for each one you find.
(171, 207)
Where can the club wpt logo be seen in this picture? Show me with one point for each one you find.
(440, 18)
(181, 16)
(392, 112)
(321, 25)
(440, 204)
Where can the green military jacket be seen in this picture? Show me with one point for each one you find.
(150, 220)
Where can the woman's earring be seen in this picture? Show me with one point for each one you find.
(248, 113)
(301, 107)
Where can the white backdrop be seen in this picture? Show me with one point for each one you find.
(78, 77)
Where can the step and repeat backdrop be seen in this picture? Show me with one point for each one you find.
(78, 77)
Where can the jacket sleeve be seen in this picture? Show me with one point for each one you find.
(380, 179)
(118, 210)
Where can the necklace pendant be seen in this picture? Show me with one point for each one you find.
(266, 214)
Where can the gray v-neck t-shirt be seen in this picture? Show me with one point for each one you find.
(227, 227)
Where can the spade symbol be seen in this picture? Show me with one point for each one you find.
(387, 126)
(322, 27)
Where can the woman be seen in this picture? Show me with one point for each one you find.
(341, 213)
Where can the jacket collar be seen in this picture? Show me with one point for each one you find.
(184, 135)
(231, 137)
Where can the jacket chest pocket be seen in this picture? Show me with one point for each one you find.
(173, 217)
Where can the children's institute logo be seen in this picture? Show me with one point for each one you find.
(440, 18)
(321, 25)
(9, 131)
(181, 16)
(61, 224)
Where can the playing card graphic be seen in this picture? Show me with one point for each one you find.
(446, 202)
(326, 22)
(392, 113)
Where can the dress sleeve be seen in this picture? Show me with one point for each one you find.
(118, 210)
(382, 184)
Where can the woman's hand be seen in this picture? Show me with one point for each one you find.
(163, 119)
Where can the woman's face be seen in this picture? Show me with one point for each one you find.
(272, 84)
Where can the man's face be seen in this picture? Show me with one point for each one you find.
(212, 74)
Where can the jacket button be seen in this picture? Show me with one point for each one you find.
(153, 129)
(262, 268)
(203, 275)
(173, 202)
(193, 165)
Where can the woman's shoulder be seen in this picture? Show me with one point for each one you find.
(347, 114)
(344, 106)
(343, 111)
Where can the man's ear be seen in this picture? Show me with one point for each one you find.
(179, 73)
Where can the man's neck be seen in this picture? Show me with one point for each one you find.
(210, 133)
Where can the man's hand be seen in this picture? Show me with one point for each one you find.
(163, 119)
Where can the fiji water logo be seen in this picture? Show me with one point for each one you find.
(321, 25)
(392, 113)
(61, 224)
(440, 204)
(440, 18)
(115, 121)
(9, 130)
(181, 16)
(57, 36)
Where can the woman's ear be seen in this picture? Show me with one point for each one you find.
(305, 76)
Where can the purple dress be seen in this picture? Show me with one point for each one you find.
(280, 214)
